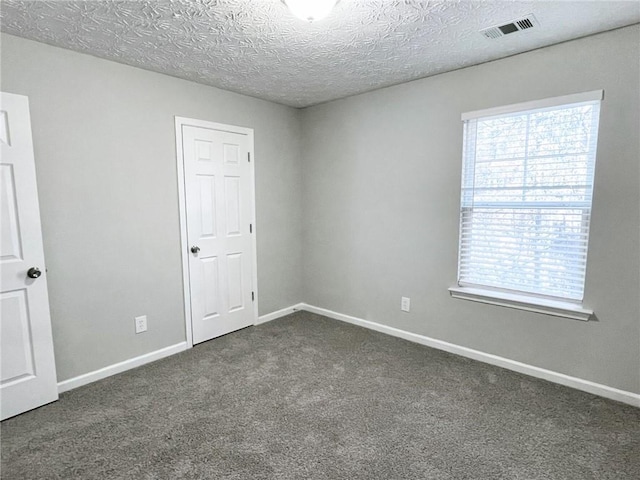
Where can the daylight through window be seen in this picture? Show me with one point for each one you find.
(527, 185)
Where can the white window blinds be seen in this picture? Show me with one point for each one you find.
(527, 184)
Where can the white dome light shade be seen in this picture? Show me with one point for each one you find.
(311, 10)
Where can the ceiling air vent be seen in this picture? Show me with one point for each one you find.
(524, 23)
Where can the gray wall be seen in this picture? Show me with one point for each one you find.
(105, 159)
(381, 198)
(378, 185)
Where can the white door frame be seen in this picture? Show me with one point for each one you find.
(184, 245)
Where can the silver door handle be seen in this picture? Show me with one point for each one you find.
(195, 249)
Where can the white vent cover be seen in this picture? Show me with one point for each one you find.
(524, 23)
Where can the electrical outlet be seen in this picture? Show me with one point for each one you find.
(405, 304)
(141, 324)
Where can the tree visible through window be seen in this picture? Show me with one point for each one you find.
(527, 186)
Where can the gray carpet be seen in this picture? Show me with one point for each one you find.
(306, 397)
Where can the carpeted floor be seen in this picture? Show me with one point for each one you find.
(306, 397)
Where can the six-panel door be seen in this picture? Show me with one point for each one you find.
(27, 367)
(218, 206)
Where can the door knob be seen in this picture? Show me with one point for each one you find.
(195, 249)
(34, 272)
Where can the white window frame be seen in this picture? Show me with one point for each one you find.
(508, 298)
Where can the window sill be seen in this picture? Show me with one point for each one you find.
(523, 302)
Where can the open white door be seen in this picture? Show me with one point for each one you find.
(220, 240)
(27, 371)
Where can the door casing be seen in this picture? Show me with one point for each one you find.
(181, 122)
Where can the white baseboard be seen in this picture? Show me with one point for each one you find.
(560, 378)
(120, 367)
(105, 372)
(279, 313)
(623, 396)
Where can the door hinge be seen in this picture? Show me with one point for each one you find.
(253, 296)
(251, 228)
(249, 156)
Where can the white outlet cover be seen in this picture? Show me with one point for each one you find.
(141, 324)
(405, 304)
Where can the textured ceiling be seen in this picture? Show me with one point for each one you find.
(258, 48)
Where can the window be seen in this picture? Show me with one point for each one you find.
(527, 185)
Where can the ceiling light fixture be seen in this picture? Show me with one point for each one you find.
(311, 10)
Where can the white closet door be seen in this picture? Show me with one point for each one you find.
(218, 190)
